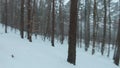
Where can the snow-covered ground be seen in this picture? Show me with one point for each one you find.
(40, 54)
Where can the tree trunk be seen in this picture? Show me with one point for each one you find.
(22, 19)
(6, 11)
(29, 24)
(53, 23)
(109, 30)
(61, 22)
(117, 52)
(87, 24)
(104, 31)
(94, 27)
(72, 33)
(48, 31)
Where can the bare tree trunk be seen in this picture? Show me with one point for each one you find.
(48, 31)
(61, 21)
(6, 11)
(87, 24)
(104, 31)
(81, 27)
(117, 52)
(22, 19)
(72, 33)
(94, 27)
(53, 23)
(109, 30)
(29, 24)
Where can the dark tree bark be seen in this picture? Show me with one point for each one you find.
(61, 21)
(109, 29)
(104, 31)
(81, 27)
(22, 19)
(72, 33)
(117, 52)
(6, 14)
(29, 24)
(53, 23)
(94, 27)
(87, 24)
(48, 30)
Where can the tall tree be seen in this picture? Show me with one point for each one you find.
(61, 21)
(72, 33)
(48, 31)
(116, 56)
(22, 19)
(29, 24)
(81, 25)
(104, 30)
(78, 28)
(94, 27)
(87, 24)
(6, 14)
(117, 52)
(53, 22)
(109, 16)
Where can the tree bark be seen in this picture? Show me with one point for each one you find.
(72, 33)
(53, 23)
(6, 11)
(117, 52)
(29, 24)
(61, 22)
(94, 27)
(22, 19)
(104, 31)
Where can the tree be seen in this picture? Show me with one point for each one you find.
(72, 33)
(117, 50)
(78, 28)
(104, 31)
(109, 16)
(6, 11)
(22, 19)
(81, 27)
(53, 23)
(94, 26)
(61, 21)
(35, 18)
(48, 31)
(29, 24)
(116, 56)
(87, 24)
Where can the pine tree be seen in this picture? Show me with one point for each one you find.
(53, 23)
(22, 19)
(117, 50)
(104, 30)
(61, 21)
(72, 33)
(29, 24)
(87, 24)
(48, 30)
(94, 26)
(109, 28)
(6, 16)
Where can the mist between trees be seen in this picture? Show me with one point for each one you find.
(78, 21)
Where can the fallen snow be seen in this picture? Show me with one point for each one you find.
(40, 54)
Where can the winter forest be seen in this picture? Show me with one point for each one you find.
(59, 33)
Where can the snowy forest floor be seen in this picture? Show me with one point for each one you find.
(40, 54)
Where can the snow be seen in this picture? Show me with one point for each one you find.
(40, 54)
